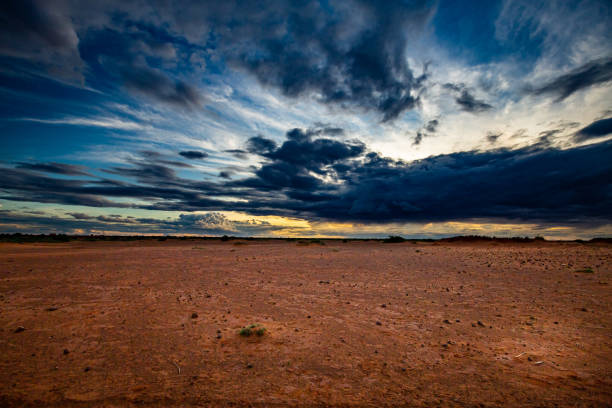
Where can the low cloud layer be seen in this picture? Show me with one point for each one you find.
(317, 178)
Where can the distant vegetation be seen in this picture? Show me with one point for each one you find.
(256, 329)
(477, 238)
(59, 238)
(311, 241)
(393, 239)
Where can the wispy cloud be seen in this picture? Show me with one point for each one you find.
(103, 122)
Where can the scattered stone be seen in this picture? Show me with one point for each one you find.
(66, 351)
(194, 315)
(51, 309)
(480, 323)
(87, 369)
(19, 329)
(378, 323)
(446, 321)
(383, 305)
(249, 365)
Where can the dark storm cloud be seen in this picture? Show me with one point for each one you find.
(32, 22)
(35, 36)
(324, 179)
(593, 73)
(133, 59)
(469, 103)
(418, 138)
(432, 125)
(290, 165)
(466, 101)
(426, 130)
(350, 54)
(57, 168)
(259, 145)
(193, 154)
(493, 136)
(156, 85)
(596, 129)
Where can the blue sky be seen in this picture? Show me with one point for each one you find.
(315, 118)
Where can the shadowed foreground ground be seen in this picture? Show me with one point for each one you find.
(348, 324)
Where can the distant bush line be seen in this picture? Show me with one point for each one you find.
(59, 238)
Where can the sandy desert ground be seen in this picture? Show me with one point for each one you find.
(156, 324)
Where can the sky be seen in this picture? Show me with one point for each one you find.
(326, 118)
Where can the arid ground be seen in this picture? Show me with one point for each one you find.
(156, 324)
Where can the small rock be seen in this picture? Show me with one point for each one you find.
(194, 315)
(378, 323)
(446, 321)
(87, 369)
(19, 329)
(383, 305)
(66, 351)
(480, 323)
(249, 365)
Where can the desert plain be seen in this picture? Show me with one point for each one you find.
(347, 324)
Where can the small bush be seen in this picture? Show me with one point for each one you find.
(256, 329)
(393, 239)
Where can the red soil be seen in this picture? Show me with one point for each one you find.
(358, 323)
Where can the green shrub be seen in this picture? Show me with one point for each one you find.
(249, 330)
